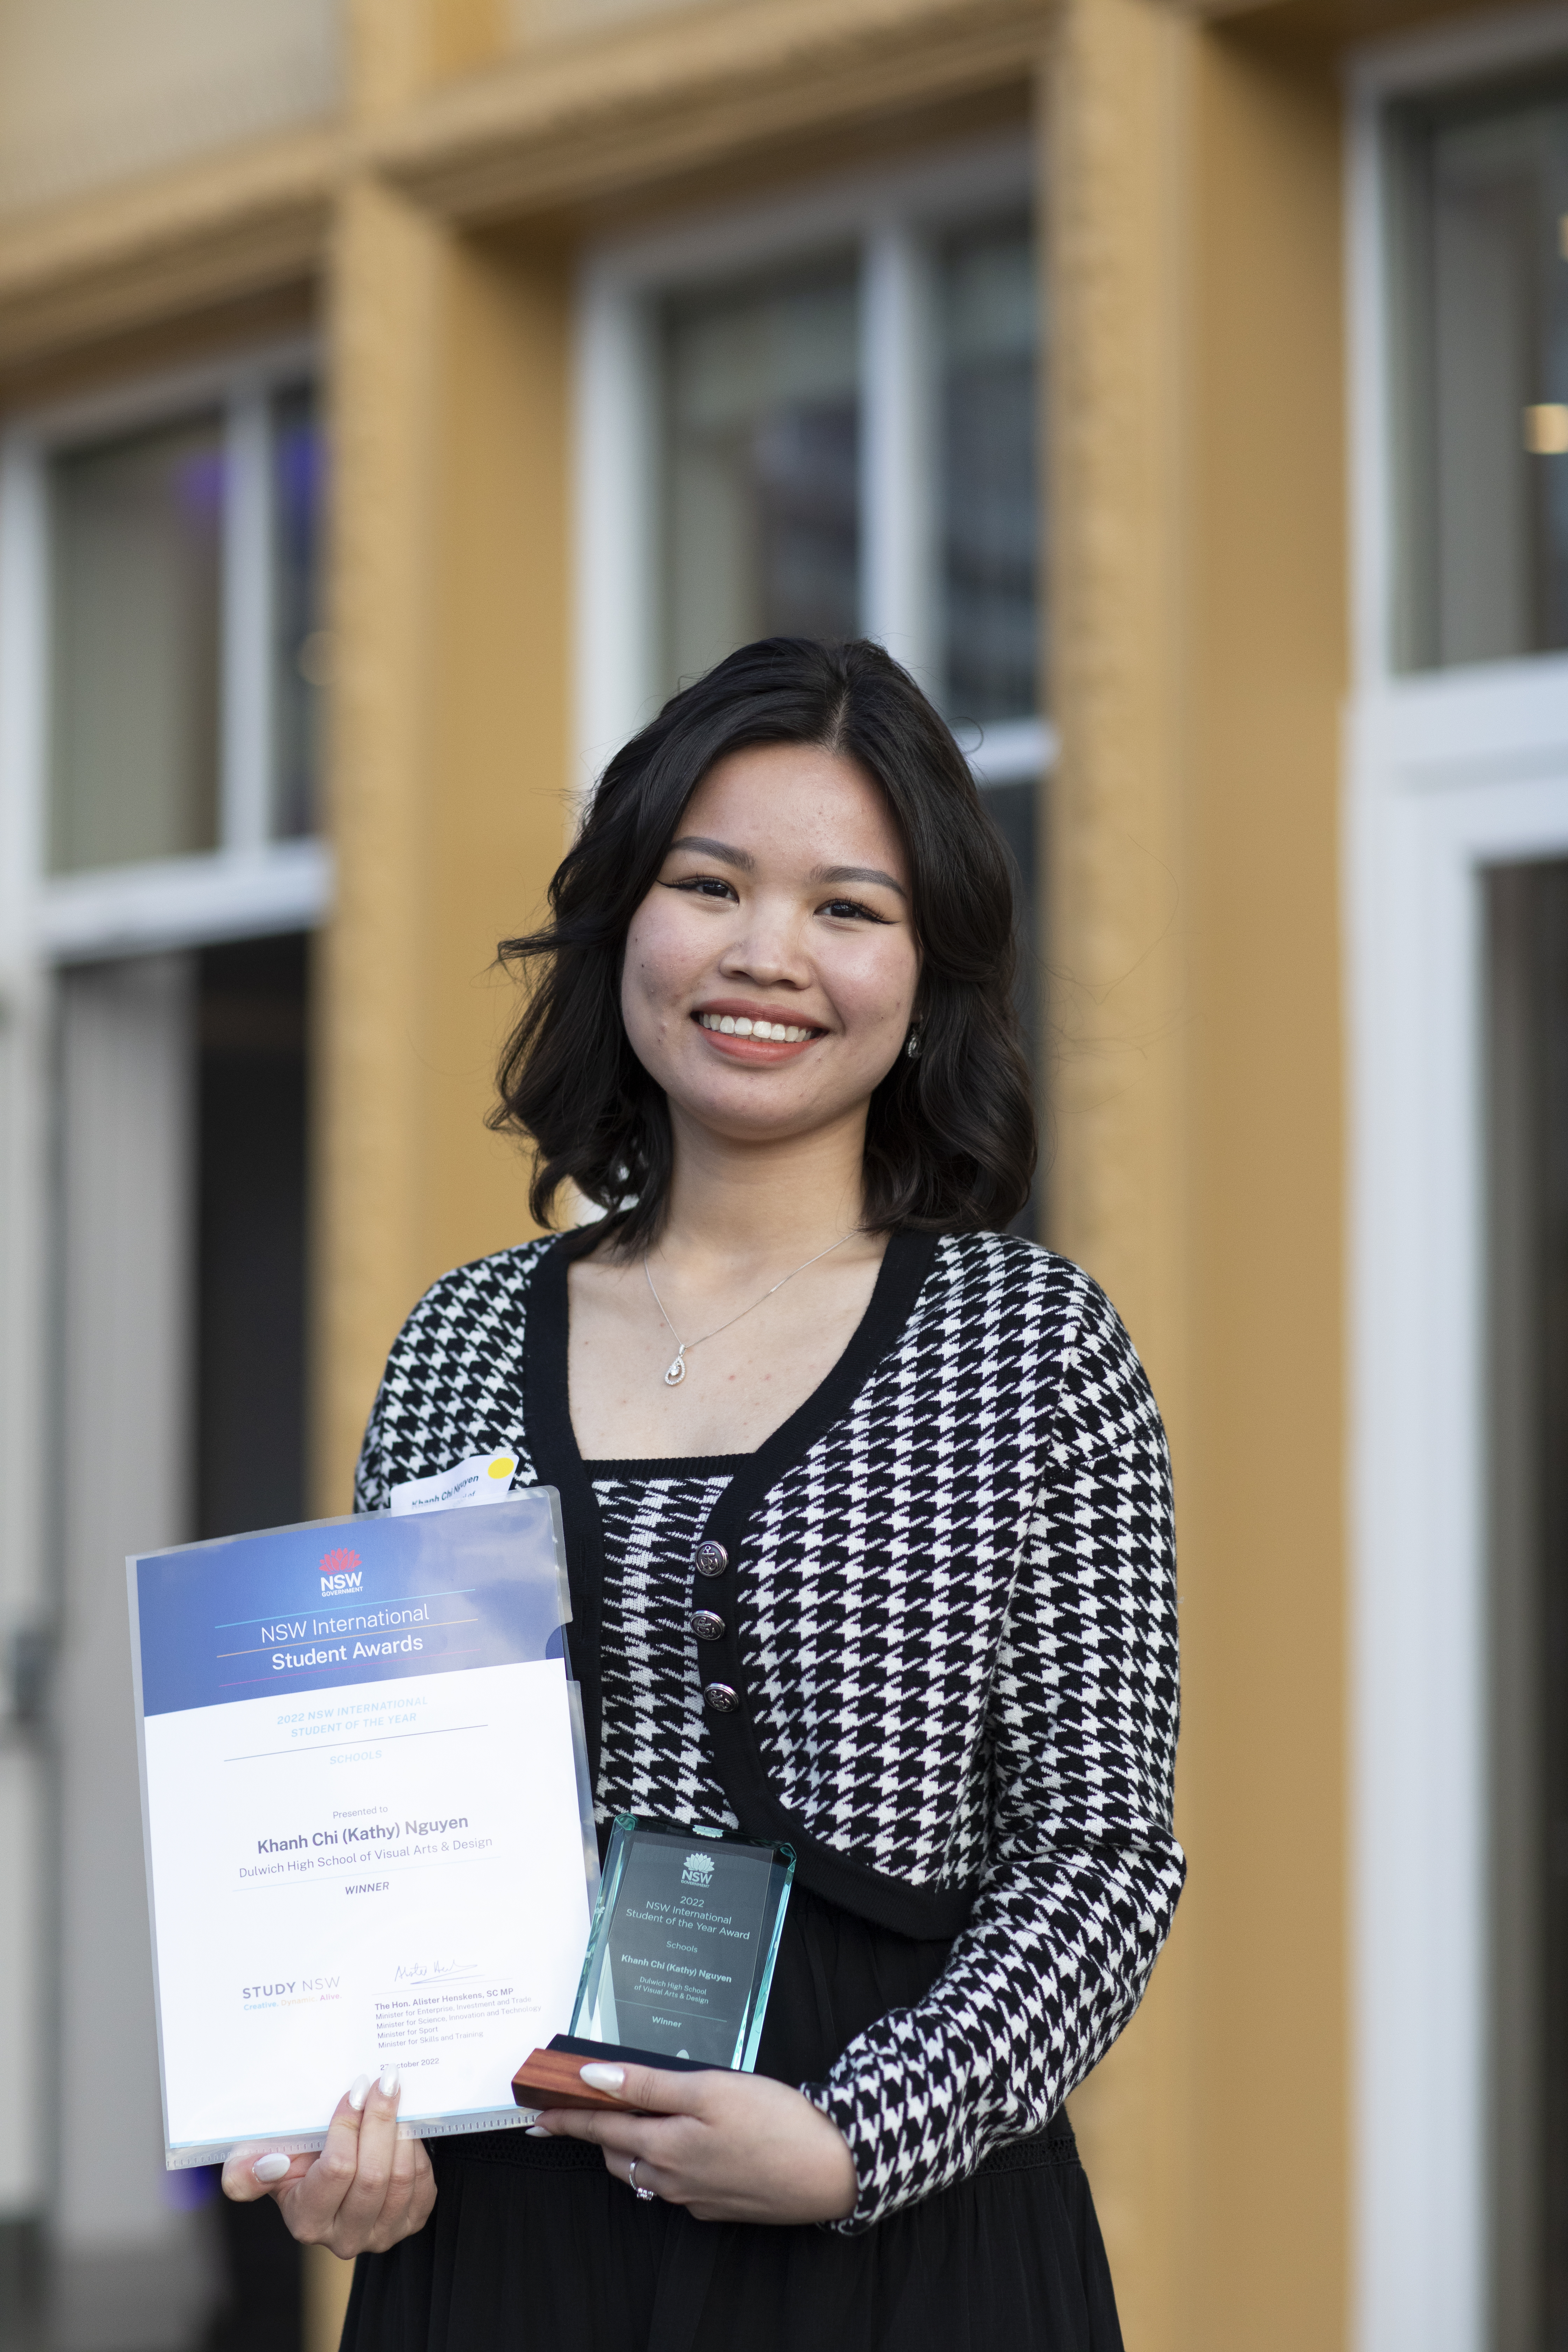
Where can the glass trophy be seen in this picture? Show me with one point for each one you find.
(680, 1961)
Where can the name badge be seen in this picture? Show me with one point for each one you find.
(483, 1478)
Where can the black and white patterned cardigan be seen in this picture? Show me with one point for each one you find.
(950, 1615)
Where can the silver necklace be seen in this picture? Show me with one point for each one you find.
(676, 1372)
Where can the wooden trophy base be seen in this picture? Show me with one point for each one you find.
(553, 2078)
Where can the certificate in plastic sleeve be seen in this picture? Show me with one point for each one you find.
(368, 1824)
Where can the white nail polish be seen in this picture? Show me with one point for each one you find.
(359, 2092)
(269, 2168)
(390, 2078)
(603, 2078)
(537, 2131)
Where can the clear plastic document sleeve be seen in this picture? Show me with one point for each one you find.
(368, 1824)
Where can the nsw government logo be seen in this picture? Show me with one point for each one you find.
(341, 1572)
(697, 1870)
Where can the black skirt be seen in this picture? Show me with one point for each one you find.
(534, 2247)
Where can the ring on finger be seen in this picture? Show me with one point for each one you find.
(647, 2195)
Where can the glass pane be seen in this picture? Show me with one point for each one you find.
(1527, 1136)
(1481, 428)
(298, 644)
(762, 464)
(987, 329)
(137, 530)
(1014, 811)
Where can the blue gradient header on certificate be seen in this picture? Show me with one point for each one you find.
(349, 1600)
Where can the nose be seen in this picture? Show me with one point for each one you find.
(770, 950)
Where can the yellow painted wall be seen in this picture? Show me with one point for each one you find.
(1263, 1497)
(449, 765)
(1199, 583)
(1116, 160)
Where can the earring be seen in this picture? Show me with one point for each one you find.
(912, 1042)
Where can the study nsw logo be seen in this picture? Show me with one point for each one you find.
(341, 1572)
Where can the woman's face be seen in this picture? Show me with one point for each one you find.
(784, 900)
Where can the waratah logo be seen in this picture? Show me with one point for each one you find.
(697, 1870)
(341, 1572)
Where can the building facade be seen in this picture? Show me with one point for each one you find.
(397, 397)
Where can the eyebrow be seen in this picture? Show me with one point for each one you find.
(740, 858)
(858, 874)
(744, 863)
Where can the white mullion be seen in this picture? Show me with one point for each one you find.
(24, 1009)
(26, 1602)
(1369, 473)
(245, 793)
(898, 520)
(24, 590)
(617, 497)
(1014, 751)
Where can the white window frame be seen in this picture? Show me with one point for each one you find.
(888, 215)
(1449, 773)
(250, 883)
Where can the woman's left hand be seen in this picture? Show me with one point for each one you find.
(730, 2147)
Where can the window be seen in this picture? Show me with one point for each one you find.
(822, 414)
(163, 639)
(185, 654)
(763, 485)
(990, 625)
(822, 419)
(1480, 222)
(137, 530)
(1457, 827)
(846, 444)
(762, 468)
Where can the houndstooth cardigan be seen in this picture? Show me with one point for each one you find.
(950, 1624)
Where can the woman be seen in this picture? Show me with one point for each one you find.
(868, 1525)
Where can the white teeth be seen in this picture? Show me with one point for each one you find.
(776, 1033)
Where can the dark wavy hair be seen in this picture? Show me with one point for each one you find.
(950, 1136)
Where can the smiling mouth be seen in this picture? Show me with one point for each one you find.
(774, 1033)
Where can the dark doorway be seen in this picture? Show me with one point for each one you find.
(252, 1106)
(250, 1343)
(1529, 1422)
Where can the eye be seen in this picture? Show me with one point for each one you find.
(705, 885)
(851, 910)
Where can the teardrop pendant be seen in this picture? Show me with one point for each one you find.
(676, 1372)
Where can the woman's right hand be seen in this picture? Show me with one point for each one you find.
(369, 2187)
